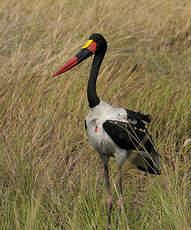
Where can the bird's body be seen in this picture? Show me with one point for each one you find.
(114, 132)
(97, 120)
(94, 126)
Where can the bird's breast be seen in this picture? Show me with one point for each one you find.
(100, 140)
(96, 133)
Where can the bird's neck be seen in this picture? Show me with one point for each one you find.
(93, 98)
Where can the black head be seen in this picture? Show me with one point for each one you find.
(96, 45)
(101, 42)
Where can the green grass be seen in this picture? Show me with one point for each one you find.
(50, 176)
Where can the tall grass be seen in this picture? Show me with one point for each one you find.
(50, 176)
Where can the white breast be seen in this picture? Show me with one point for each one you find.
(97, 135)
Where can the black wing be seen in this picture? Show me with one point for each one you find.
(129, 136)
(136, 137)
(138, 116)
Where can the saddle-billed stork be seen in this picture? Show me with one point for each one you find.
(114, 132)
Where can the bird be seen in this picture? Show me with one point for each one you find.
(114, 131)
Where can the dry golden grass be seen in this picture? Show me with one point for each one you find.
(50, 176)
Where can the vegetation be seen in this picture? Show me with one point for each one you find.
(50, 176)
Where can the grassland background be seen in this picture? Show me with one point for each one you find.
(50, 176)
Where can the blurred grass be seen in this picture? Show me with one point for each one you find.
(50, 176)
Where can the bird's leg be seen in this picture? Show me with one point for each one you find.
(110, 198)
(109, 206)
(120, 195)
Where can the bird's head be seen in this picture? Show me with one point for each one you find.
(100, 41)
(95, 45)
